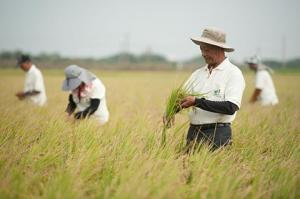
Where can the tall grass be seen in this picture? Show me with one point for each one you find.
(43, 156)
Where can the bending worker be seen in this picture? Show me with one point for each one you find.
(87, 94)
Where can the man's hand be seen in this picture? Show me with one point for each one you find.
(255, 95)
(188, 102)
(20, 95)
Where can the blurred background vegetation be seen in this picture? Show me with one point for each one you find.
(127, 61)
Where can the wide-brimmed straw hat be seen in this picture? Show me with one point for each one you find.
(214, 37)
(74, 76)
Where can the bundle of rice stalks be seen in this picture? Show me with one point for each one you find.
(173, 105)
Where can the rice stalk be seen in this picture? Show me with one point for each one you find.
(173, 105)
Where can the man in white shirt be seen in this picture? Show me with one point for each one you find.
(223, 83)
(34, 88)
(264, 88)
(87, 94)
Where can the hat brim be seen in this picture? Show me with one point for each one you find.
(86, 76)
(71, 84)
(200, 40)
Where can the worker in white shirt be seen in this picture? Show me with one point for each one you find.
(264, 92)
(34, 88)
(87, 94)
(223, 83)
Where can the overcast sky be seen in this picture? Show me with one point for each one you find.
(97, 28)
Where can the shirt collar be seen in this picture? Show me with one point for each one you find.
(221, 66)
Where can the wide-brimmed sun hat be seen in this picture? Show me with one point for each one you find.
(213, 36)
(74, 76)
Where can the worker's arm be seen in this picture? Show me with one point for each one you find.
(223, 107)
(21, 95)
(255, 95)
(88, 111)
(71, 105)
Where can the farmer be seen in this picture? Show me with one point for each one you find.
(223, 83)
(34, 88)
(264, 88)
(87, 94)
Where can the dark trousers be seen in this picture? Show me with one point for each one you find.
(215, 136)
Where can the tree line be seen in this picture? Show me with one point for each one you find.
(125, 61)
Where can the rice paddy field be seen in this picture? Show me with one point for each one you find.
(44, 155)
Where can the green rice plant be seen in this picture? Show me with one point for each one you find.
(173, 105)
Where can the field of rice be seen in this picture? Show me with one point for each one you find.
(42, 155)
